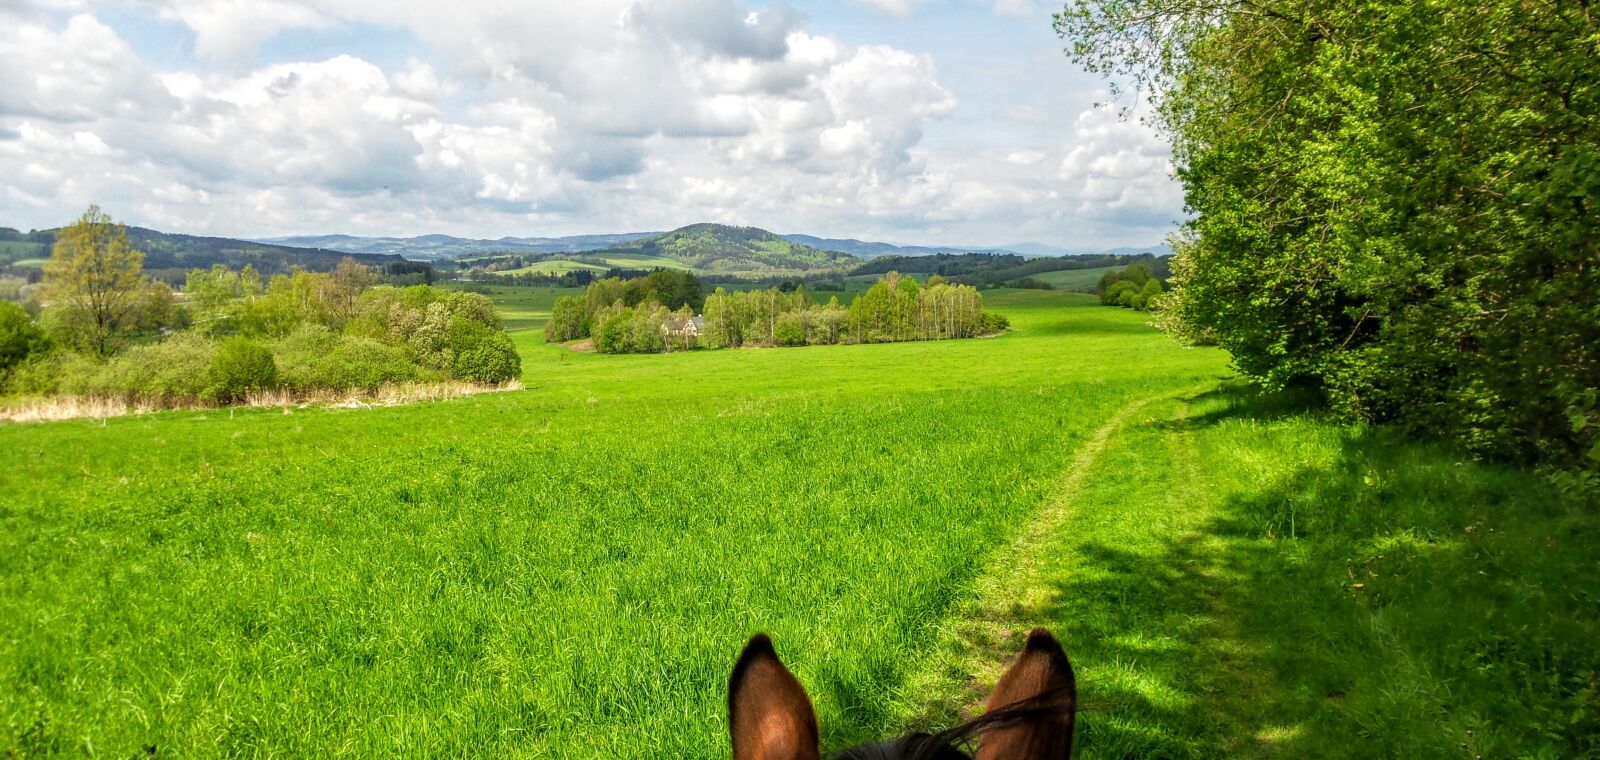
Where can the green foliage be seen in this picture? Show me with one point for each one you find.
(173, 372)
(314, 357)
(567, 318)
(20, 337)
(995, 323)
(1012, 270)
(488, 357)
(1394, 202)
(1134, 287)
(630, 330)
(15, 289)
(789, 330)
(168, 256)
(240, 367)
(301, 331)
(453, 332)
(94, 285)
(722, 249)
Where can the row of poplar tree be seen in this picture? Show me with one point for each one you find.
(895, 308)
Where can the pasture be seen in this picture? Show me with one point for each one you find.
(1081, 280)
(569, 570)
(621, 261)
(13, 251)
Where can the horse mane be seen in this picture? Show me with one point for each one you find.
(946, 745)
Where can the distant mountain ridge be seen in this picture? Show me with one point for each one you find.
(168, 255)
(437, 247)
(870, 250)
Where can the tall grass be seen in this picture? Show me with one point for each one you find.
(564, 571)
(1239, 577)
(567, 571)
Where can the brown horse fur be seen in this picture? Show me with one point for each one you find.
(769, 714)
(1029, 715)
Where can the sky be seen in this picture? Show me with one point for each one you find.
(936, 122)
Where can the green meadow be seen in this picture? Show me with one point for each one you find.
(619, 261)
(1084, 280)
(569, 570)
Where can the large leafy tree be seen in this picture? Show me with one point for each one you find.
(94, 286)
(1392, 200)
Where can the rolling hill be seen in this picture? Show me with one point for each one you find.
(721, 249)
(169, 255)
(439, 247)
(867, 249)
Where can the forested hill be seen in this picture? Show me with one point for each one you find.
(867, 249)
(168, 255)
(718, 248)
(438, 247)
(1004, 268)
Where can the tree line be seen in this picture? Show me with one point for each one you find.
(631, 316)
(1393, 203)
(1134, 287)
(100, 327)
(989, 270)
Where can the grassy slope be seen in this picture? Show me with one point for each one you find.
(620, 261)
(554, 266)
(1085, 280)
(568, 571)
(1238, 577)
(719, 248)
(16, 250)
(565, 571)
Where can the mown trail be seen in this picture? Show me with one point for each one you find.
(1235, 576)
(1006, 600)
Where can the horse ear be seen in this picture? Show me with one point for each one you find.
(1041, 685)
(769, 714)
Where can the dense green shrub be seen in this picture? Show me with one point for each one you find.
(631, 330)
(611, 331)
(567, 318)
(39, 375)
(789, 330)
(314, 358)
(1394, 202)
(1134, 287)
(443, 330)
(895, 308)
(240, 367)
(302, 332)
(174, 371)
(994, 324)
(491, 359)
(20, 337)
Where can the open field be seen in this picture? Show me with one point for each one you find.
(562, 266)
(17, 250)
(645, 261)
(1084, 280)
(555, 266)
(568, 571)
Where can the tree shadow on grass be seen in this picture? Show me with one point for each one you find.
(1389, 600)
(1090, 329)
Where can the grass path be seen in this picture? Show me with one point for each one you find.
(1006, 601)
(1234, 576)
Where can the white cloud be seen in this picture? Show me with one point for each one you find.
(896, 8)
(561, 117)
